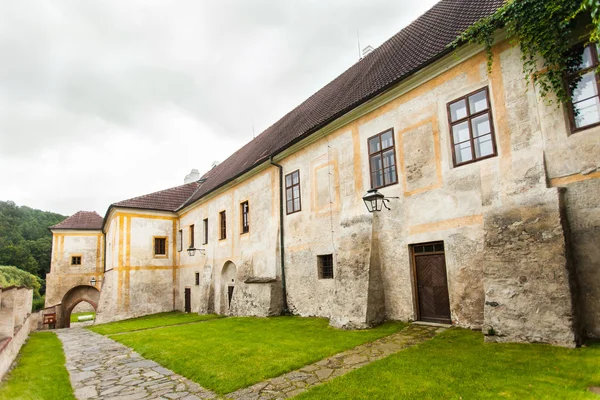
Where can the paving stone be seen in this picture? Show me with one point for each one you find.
(337, 365)
(101, 368)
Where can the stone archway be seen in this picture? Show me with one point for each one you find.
(228, 275)
(75, 296)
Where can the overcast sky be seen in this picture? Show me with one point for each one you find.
(101, 101)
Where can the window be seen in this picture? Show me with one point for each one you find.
(245, 221)
(223, 221)
(197, 278)
(584, 110)
(428, 248)
(292, 192)
(471, 128)
(180, 240)
(382, 159)
(160, 246)
(191, 236)
(75, 260)
(205, 223)
(325, 266)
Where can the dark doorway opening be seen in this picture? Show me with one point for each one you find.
(230, 294)
(188, 300)
(433, 301)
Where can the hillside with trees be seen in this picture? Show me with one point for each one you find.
(25, 241)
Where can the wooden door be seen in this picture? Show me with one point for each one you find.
(432, 285)
(188, 300)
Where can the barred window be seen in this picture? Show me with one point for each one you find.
(325, 264)
(160, 246)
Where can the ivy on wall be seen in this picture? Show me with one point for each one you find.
(543, 28)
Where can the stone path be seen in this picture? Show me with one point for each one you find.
(101, 368)
(296, 382)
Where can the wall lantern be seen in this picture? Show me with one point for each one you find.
(192, 251)
(375, 201)
(93, 281)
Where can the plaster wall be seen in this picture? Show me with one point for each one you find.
(63, 276)
(137, 281)
(254, 254)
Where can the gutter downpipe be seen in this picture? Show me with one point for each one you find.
(281, 236)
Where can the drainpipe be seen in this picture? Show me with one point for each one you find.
(281, 243)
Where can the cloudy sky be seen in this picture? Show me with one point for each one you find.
(101, 101)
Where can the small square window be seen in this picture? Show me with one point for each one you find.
(160, 246)
(197, 278)
(75, 260)
(325, 264)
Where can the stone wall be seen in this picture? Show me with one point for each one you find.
(16, 322)
(528, 274)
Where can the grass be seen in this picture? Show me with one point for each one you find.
(231, 353)
(150, 321)
(458, 365)
(40, 373)
(74, 316)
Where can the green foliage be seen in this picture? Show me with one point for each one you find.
(38, 303)
(457, 364)
(543, 28)
(13, 276)
(25, 240)
(40, 372)
(231, 353)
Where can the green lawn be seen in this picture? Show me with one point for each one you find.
(458, 365)
(40, 372)
(231, 353)
(74, 316)
(150, 321)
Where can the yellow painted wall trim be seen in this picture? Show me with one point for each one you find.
(565, 180)
(446, 224)
(78, 234)
(145, 268)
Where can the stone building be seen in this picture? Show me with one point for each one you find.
(493, 219)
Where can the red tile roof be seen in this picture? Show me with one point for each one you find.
(81, 220)
(414, 47)
(164, 200)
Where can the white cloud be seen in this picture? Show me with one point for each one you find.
(102, 101)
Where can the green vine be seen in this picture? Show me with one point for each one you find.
(543, 28)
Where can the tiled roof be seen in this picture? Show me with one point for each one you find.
(81, 220)
(414, 47)
(165, 200)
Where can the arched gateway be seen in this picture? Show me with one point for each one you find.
(75, 296)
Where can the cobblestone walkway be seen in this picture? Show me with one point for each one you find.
(101, 368)
(296, 382)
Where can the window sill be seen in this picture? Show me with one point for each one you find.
(475, 161)
(584, 128)
(384, 186)
(160, 256)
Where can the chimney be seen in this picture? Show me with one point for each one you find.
(367, 50)
(193, 176)
(214, 164)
